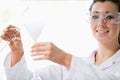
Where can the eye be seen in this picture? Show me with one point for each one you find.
(94, 17)
(110, 17)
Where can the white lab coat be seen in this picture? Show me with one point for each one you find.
(79, 70)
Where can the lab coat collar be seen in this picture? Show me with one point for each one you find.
(108, 63)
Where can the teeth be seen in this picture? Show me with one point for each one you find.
(102, 31)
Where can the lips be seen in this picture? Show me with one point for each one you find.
(102, 31)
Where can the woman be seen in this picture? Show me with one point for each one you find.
(103, 64)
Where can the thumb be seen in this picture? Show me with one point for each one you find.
(11, 45)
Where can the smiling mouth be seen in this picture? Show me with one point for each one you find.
(102, 31)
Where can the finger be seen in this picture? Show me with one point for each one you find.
(11, 35)
(6, 31)
(40, 44)
(39, 48)
(16, 29)
(12, 26)
(36, 58)
(39, 53)
(16, 39)
(14, 33)
(17, 34)
(14, 45)
(8, 34)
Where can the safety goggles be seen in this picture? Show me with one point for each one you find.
(105, 16)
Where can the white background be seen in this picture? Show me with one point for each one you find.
(63, 23)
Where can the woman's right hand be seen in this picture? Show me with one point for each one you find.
(12, 34)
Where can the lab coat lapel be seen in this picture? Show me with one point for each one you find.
(112, 60)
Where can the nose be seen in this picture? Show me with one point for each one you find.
(101, 23)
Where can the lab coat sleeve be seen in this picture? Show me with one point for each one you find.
(19, 71)
(51, 72)
(81, 70)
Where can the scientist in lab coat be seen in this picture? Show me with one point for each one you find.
(103, 64)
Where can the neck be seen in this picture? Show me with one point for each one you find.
(104, 52)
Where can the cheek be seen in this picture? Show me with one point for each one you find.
(116, 29)
(93, 28)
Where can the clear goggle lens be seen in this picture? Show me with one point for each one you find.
(106, 16)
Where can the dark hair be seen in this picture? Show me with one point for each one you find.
(117, 2)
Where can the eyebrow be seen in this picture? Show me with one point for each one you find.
(102, 11)
(95, 11)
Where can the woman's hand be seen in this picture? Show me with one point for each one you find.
(48, 51)
(12, 34)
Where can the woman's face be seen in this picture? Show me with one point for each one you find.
(103, 22)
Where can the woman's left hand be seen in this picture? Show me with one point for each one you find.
(48, 51)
